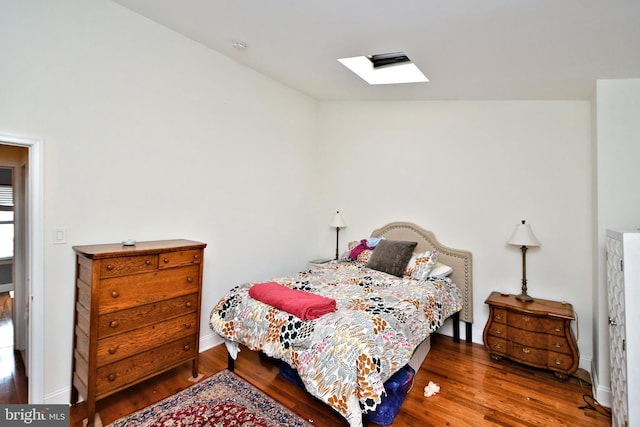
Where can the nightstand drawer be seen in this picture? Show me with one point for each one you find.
(500, 315)
(499, 330)
(525, 353)
(497, 345)
(535, 323)
(561, 361)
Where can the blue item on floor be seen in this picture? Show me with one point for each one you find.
(397, 388)
(289, 373)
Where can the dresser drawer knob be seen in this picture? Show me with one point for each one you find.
(166, 260)
(526, 318)
(196, 257)
(187, 347)
(114, 324)
(498, 317)
(497, 345)
(558, 329)
(189, 279)
(497, 331)
(111, 377)
(557, 344)
(147, 262)
(187, 325)
(558, 362)
(115, 294)
(526, 350)
(113, 350)
(109, 267)
(188, 304)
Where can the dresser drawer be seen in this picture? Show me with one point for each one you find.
(535, 323)
(531, 355)
(175, 259)
(118, 347)
(128, 265)
(125, 320)
(561, 361)
(497, 345)
(120, 293)
(499, 330)
(119, 375)
(499, 315)
(558, 344)
(538, 340)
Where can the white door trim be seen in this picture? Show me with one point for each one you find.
(35, 262)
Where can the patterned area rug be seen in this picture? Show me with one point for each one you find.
(223, 400)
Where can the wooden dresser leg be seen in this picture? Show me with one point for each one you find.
(561, 376)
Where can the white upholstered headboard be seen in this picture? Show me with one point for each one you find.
(459, 260)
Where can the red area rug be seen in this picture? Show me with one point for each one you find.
(223, 399)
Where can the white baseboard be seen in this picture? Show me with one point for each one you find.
(60, 397)
(601, 393)
(209, 341)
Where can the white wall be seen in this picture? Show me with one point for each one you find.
(470, 171)
(618, 199)
(148, 135)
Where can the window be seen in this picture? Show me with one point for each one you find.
(6, 221)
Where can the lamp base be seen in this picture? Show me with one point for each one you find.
(524, 298)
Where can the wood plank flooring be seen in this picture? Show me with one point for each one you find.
(475, 391)
(13, 381)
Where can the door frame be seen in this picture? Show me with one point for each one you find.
(35, 261)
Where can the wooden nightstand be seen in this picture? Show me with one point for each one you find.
(534, 333)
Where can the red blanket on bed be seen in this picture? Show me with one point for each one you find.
(305, 305)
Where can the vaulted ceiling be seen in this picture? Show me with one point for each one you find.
(469, 49)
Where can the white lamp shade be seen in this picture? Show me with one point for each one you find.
(523, 236)
(338, 221)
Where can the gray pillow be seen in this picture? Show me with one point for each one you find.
(391, 256)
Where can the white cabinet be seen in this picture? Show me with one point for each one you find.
(623, 290)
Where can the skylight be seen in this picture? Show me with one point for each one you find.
(388, 68)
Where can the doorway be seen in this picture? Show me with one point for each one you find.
(24, 155)
(13, 287)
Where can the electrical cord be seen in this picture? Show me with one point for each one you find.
(594, 405)
(590, 402)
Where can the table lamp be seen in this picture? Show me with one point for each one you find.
(523, 236)
(338, 222)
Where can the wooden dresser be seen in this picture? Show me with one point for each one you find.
(535, 333)
(137, 314)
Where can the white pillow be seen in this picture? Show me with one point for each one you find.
(424, 263)
(440, 270)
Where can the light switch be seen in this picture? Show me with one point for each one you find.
(60, 235)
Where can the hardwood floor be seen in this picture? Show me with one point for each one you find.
(475, 391)
(13, 381)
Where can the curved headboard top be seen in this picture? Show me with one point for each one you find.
(459, 260)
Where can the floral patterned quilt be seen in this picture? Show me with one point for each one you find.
(343, 357)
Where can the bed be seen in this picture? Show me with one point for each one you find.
(382, 320)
